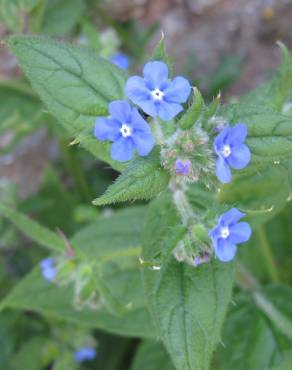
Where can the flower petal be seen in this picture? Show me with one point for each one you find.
(239, 157)
(106, 129)
(136, 90)
(120, 110)
(238, 133)
(149, 107)
(220, 139)
(240, 233)
(167, 111)
(223, 171)
(144, 142)
(225, 251)
(156, 73)
(178, 90)
(138, 123)
(231, 217)
(122, 149)
(215, 233)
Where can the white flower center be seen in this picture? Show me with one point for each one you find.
(126, 130)
(224, 232)
(226, 151)
(157, 94)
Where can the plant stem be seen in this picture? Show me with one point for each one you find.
(268, 255)
(248, 282)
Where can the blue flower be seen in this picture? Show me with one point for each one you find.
(85, 354)
(156, 94)
(121, 60)
(127, 129)
(48, 269)
(228, 233)
(231, 151)
(183, 167)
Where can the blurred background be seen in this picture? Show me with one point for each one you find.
(226, 46)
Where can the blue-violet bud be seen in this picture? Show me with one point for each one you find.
(183, 167)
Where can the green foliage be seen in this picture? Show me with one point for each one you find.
(261, 195)
(103, 242)
(144, 178)
(151, 355)
(159, 53)
(20, 113)
(12, 12)
(263, 111)
(35, 294)
(194, 112)
(259, 345)
(30, 356)
(34, 230)
(188, 304)
(75, 84)
(60, 16)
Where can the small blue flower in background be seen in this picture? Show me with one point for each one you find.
(127, 129)
(155, 94)
(85, 354)
(121, 60)
(231, 151)
(183, 167)
(228, 233)
(48, 269)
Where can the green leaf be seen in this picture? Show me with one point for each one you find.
(112, 237)
(60, 16)
(114, 244)
(12, 12)
(30, 356)
(261, 195)
(34, 230)
(159, 53)
(263, 111)
(194, 112)
(188, 304)
(75, 84)
(33, 293)
(151, 355)
(250, 341)
(144, 178)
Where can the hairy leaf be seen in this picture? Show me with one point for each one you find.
(258, 346)
(188, 304)
(75, 84)
(151, 355)
(33, 293)
(144, 178)
(34, 230)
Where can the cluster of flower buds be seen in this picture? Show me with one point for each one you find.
(189, 156)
